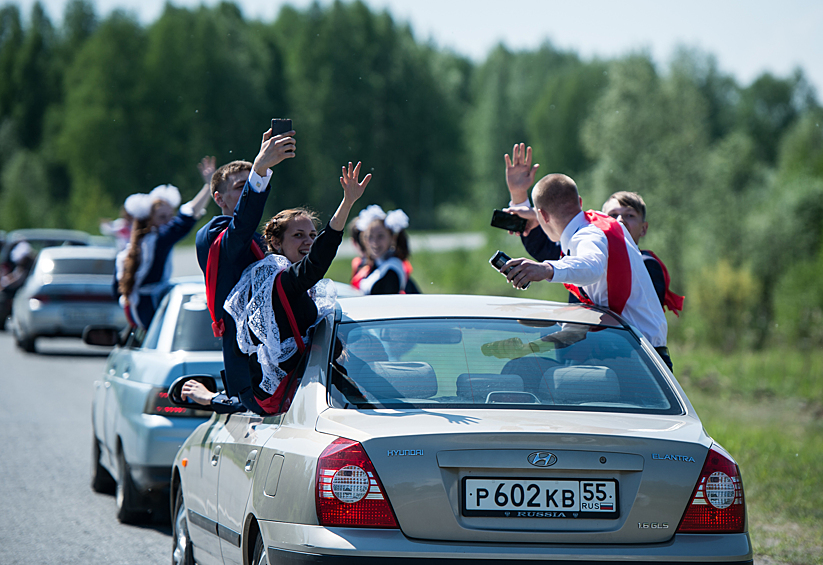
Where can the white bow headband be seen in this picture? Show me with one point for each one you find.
(139, 205)
(395, 220)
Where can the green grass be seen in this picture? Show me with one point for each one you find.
(764, 408)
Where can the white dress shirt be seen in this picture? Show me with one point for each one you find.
(585, 263)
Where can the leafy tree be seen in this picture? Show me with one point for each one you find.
(801, 148)
(203, 91)
(506, 88)
(11, 42)
(99, 139)
(35, 77)
(21, 206)
(360, 88)
(648, 134)
(557, 117)
(769, 106)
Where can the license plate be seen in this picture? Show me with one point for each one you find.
(79, 316)
(540, 498)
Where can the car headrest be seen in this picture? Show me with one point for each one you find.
(412, 379)
(477, 386)
(585, 383)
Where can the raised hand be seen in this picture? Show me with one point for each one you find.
(520, 172)
(273, 150)
(207, 168)
(352, 189)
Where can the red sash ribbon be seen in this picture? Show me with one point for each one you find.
(619, 268)
(281, 399)
(672, 301)
(218, 327)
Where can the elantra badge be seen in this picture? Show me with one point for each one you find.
(542, 459)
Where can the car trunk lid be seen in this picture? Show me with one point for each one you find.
(437, 465)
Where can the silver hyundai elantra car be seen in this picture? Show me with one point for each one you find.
(464, 429)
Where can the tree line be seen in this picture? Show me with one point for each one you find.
(98, 108)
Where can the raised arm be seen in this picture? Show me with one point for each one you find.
(520, 173)
(352, 190)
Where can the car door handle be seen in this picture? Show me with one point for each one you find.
(250, 461)
(215, 456)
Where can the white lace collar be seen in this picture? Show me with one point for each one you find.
(250, 304)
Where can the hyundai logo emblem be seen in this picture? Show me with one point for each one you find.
(542, 459)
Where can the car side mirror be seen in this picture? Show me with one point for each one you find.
(176, 388)
(101, 335)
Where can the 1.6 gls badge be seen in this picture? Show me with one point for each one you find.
(542, 459)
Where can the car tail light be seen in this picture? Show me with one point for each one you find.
(717, 505)
(349, 492)
(158, 403)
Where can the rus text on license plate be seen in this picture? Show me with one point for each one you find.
(540, 498)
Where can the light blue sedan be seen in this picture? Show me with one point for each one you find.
(137, 431)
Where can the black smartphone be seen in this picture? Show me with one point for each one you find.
(280, 126)
(509, 222)
(499, 260)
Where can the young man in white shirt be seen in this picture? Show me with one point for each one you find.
(597, 250)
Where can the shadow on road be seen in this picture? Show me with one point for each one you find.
(72, 353)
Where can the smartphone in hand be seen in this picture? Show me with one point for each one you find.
(499, 260)
(280, 126)
(509, 222)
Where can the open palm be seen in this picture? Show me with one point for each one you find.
(352, 189)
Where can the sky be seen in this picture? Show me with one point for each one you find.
(747, 37)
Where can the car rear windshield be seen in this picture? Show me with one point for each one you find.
(82, 266)
(193, 330)
(476, 363)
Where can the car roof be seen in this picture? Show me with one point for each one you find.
(410, 306)
(78, 252)
(47, 233)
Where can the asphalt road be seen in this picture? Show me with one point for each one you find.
(48, 512)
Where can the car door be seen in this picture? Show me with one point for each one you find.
(203, 455)
(116, 375)
(246, 434)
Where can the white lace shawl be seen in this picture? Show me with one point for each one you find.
(250, 304)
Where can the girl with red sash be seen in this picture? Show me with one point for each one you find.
(279, 298)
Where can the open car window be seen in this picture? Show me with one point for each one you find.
(495, 363)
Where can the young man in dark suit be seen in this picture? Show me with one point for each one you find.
(240, 189)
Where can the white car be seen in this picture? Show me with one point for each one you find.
(137, 431)
(464, 429)
(69, 289)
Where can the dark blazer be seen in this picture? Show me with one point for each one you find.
(235, 256)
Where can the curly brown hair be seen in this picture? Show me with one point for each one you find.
(276, 227)
(139, 230)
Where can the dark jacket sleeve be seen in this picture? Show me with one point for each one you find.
(656, 274)
(539, 246)
(244, 222)
(389, 284)
(306, 273)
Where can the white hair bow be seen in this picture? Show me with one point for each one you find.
(396, 220)
(139, 205)
(368, 215)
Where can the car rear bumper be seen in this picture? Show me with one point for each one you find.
(292, 544)
(54, 321)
